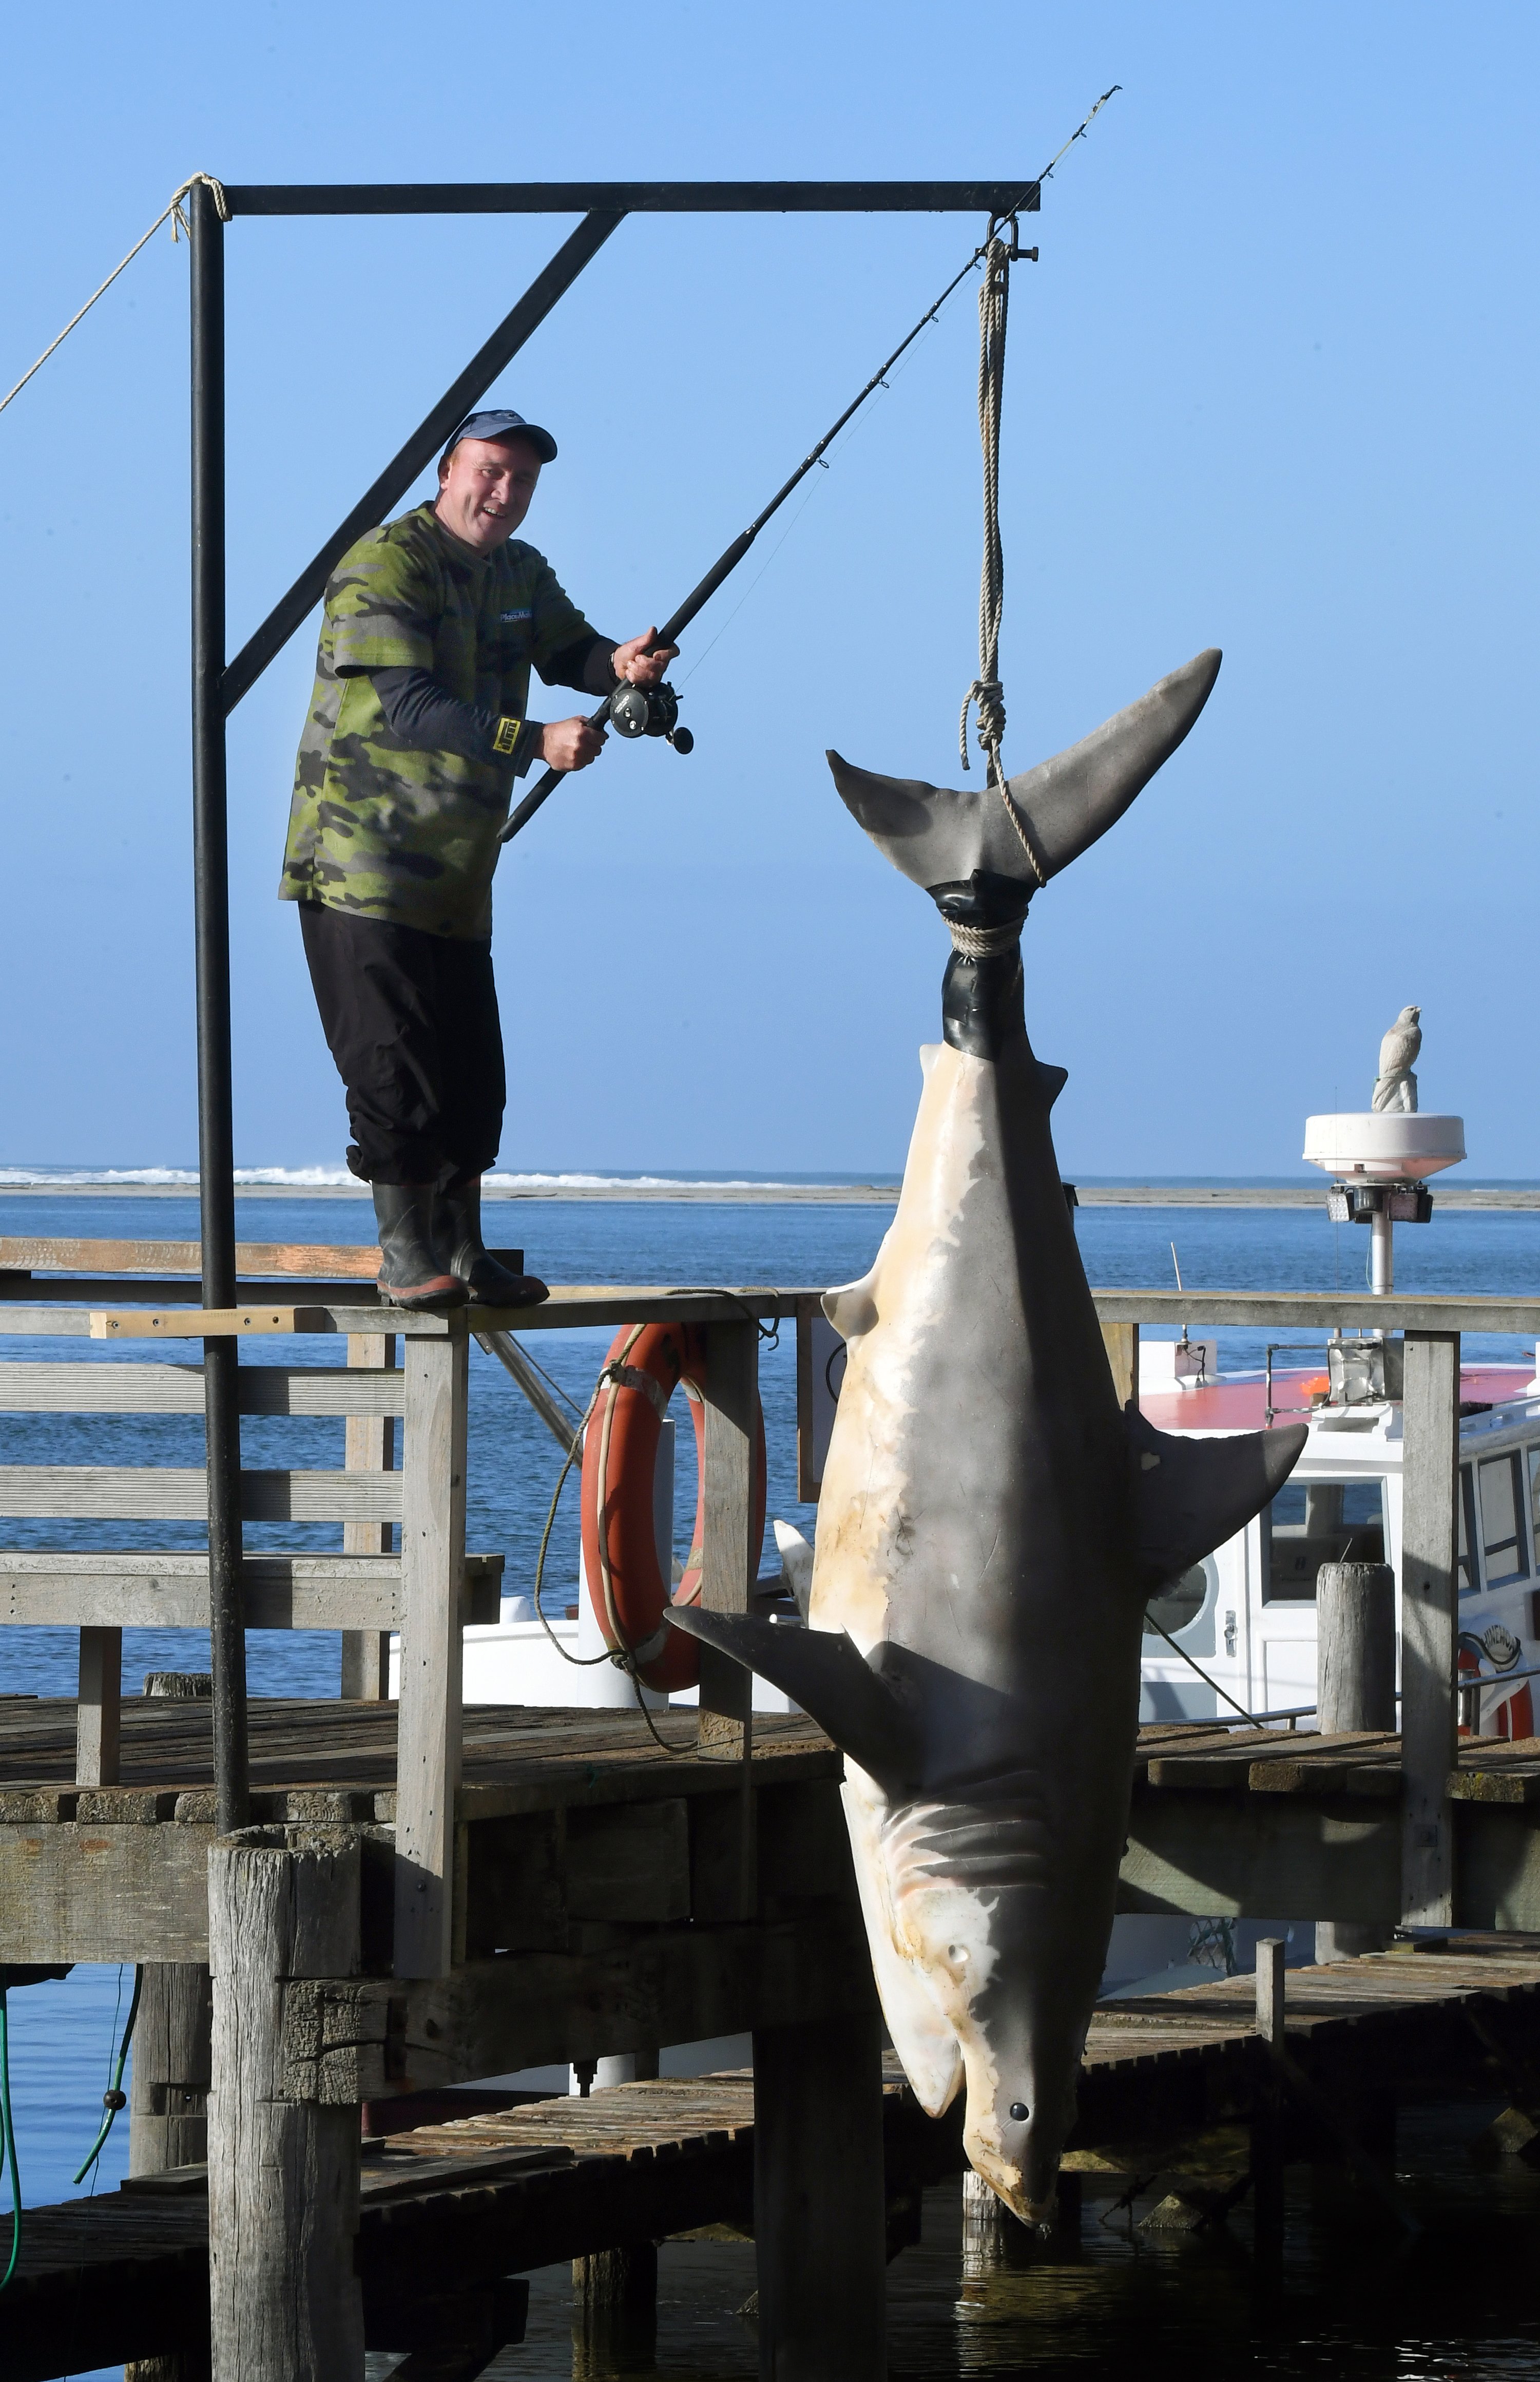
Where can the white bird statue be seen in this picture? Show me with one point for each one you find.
(1396, 1085)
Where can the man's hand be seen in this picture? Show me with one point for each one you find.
(570, 743)
(639, 661)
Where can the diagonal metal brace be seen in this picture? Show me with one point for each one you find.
(425, 442)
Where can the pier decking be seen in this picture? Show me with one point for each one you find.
(450, 2210)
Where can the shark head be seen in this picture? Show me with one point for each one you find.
(984, 853)
(967, 1882)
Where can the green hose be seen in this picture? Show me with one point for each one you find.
(115, 2098)
(7, 2140)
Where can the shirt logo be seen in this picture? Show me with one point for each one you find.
(515, 616)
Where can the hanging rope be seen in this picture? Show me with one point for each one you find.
(179, 226)
(986, 689)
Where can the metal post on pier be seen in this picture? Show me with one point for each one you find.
(212, 915)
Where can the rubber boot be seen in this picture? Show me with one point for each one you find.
(461, 1247)
(411, 1273)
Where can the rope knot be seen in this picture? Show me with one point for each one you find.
(990, 696)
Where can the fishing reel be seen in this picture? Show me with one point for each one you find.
(649, 712)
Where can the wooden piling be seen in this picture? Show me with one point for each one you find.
(1430, 1461)
(285, 2303)
(820, 2225)
(1355, 1688)
(1268, 2099)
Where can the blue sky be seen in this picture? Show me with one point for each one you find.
(1271, 386)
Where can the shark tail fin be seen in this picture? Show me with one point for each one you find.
(1189, 1495)
(824, 1672)
(940, 839)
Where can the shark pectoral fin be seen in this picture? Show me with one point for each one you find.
(796, 1564)
(851, 1309)
(826, 1674)
(1189, 1495)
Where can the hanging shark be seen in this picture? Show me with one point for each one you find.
(991, 1523)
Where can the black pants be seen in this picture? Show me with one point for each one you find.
(411, 1021)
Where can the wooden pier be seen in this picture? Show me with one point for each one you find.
(1173, 2090)
(427, 1896)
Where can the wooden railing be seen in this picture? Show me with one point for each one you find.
(429, 1589)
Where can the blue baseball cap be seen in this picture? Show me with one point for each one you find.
(503, 424)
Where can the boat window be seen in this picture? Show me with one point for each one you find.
(1178, 1606)
(1314, 1522)
(1467, 1516)
(1505, 1554)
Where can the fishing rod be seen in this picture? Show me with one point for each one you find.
(655, 710)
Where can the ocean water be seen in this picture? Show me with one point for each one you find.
(1342, 2299)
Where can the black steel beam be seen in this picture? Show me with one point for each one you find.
(629, 198)
(212, 932)
(418, 451)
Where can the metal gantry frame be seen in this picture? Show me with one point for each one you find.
(218, 686)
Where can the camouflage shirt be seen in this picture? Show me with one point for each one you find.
(378, 826)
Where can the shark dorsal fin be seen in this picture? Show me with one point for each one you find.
(825, 1672)
(1189, 1495)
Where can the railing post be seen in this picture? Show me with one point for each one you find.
(1121, 1342)
(432, 1582)
(729, 1563)
(1430, 1464)
(98, 1708)
(369, 1446)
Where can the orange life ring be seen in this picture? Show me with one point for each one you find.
(646, 1364)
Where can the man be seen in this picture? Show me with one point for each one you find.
(417, 731)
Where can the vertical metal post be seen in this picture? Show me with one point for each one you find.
(211, 914)
(1430, 1467)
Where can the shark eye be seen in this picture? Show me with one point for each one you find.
(1020, 2112)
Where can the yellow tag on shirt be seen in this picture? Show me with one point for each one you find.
(507, 735)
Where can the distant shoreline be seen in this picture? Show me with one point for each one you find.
(1456, 1199)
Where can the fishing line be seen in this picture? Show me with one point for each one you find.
(727, 563)
(115, 2098)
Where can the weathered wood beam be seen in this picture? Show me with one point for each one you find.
(178, 1493)
(147, 1591)
(178, 1389)
(675, 1985)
